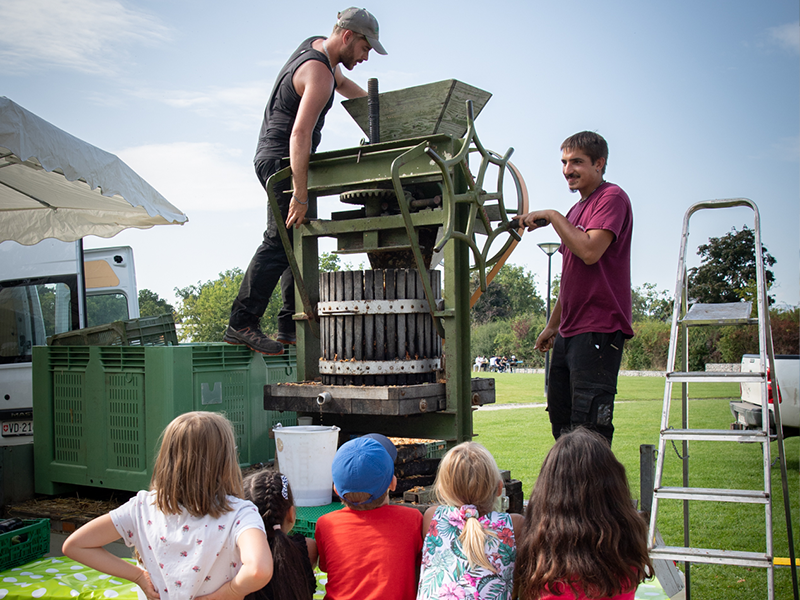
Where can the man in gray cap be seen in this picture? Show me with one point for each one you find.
(292, 127)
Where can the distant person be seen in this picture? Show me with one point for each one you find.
(582, 536)
(493, 363)
(369, 549)
(592, 317)
(193, 533)
(292, 127)
(478, 363)
(469, 549)
(293, 557)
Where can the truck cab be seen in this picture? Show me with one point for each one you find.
(42, 294)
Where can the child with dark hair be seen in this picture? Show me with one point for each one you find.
(293, 556)
(583, 538)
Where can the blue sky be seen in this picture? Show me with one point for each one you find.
(697, 99)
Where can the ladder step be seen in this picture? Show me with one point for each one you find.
(711, 377)
(716, 435)
(713, 494)
(731, 313)
(705, 555)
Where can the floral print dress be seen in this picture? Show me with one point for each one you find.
(445, 573)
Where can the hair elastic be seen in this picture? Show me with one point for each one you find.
(276, 526)
(285, 488)
(468, 511)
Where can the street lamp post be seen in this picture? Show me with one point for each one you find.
(548, 248)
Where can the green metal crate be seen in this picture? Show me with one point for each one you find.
(33, 542)
(99, 410)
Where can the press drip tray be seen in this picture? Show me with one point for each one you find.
(392, 400)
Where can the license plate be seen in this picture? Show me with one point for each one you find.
(11, 428)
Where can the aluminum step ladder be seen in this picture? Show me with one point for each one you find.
(683, 318)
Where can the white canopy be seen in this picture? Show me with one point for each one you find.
(53, 185)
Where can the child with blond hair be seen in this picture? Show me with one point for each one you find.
(194, 535)
(469, 549)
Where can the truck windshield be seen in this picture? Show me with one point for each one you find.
(32, 310)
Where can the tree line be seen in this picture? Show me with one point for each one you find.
(727, 273)
(509, 316)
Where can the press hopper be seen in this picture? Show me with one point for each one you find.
(422, 110)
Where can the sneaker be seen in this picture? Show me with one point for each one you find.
(287, 338)
(253, 338)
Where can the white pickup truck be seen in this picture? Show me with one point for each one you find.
(747, 412)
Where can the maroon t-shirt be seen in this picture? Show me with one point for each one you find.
(597, 298)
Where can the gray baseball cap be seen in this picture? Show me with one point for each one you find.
(360, 20)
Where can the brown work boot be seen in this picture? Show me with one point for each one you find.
(253, 338)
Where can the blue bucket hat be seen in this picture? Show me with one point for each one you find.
(362, 465)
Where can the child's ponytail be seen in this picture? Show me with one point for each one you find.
(271, 493)
(473, 538)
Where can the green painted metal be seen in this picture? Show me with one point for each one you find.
(422, 110)
(414, 165)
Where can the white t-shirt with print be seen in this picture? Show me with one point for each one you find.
(185, 556)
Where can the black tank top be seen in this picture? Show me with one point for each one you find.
(281, 110)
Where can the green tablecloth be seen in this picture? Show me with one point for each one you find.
(62, 578)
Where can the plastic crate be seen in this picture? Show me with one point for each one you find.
(144, 331)
(307, 517)
(110, 334)
(98, 410)
(151, 331)
(436, 449)
(35, 545)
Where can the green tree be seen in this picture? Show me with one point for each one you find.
(555, 288)
(329, 262)
(106, 308)
(727, 272)
(205, 308)
(511, 293)
(649, 303)
(151, 305)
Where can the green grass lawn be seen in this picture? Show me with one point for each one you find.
(520, 438)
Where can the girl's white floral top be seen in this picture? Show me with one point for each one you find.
(445, 572)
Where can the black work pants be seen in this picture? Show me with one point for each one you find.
(583, 382)
(268, 265)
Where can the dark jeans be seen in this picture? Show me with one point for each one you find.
(268, 265)
(583, 381)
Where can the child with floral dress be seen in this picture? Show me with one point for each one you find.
(469, 549)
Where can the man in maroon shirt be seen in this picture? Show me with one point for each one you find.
(592, 318)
